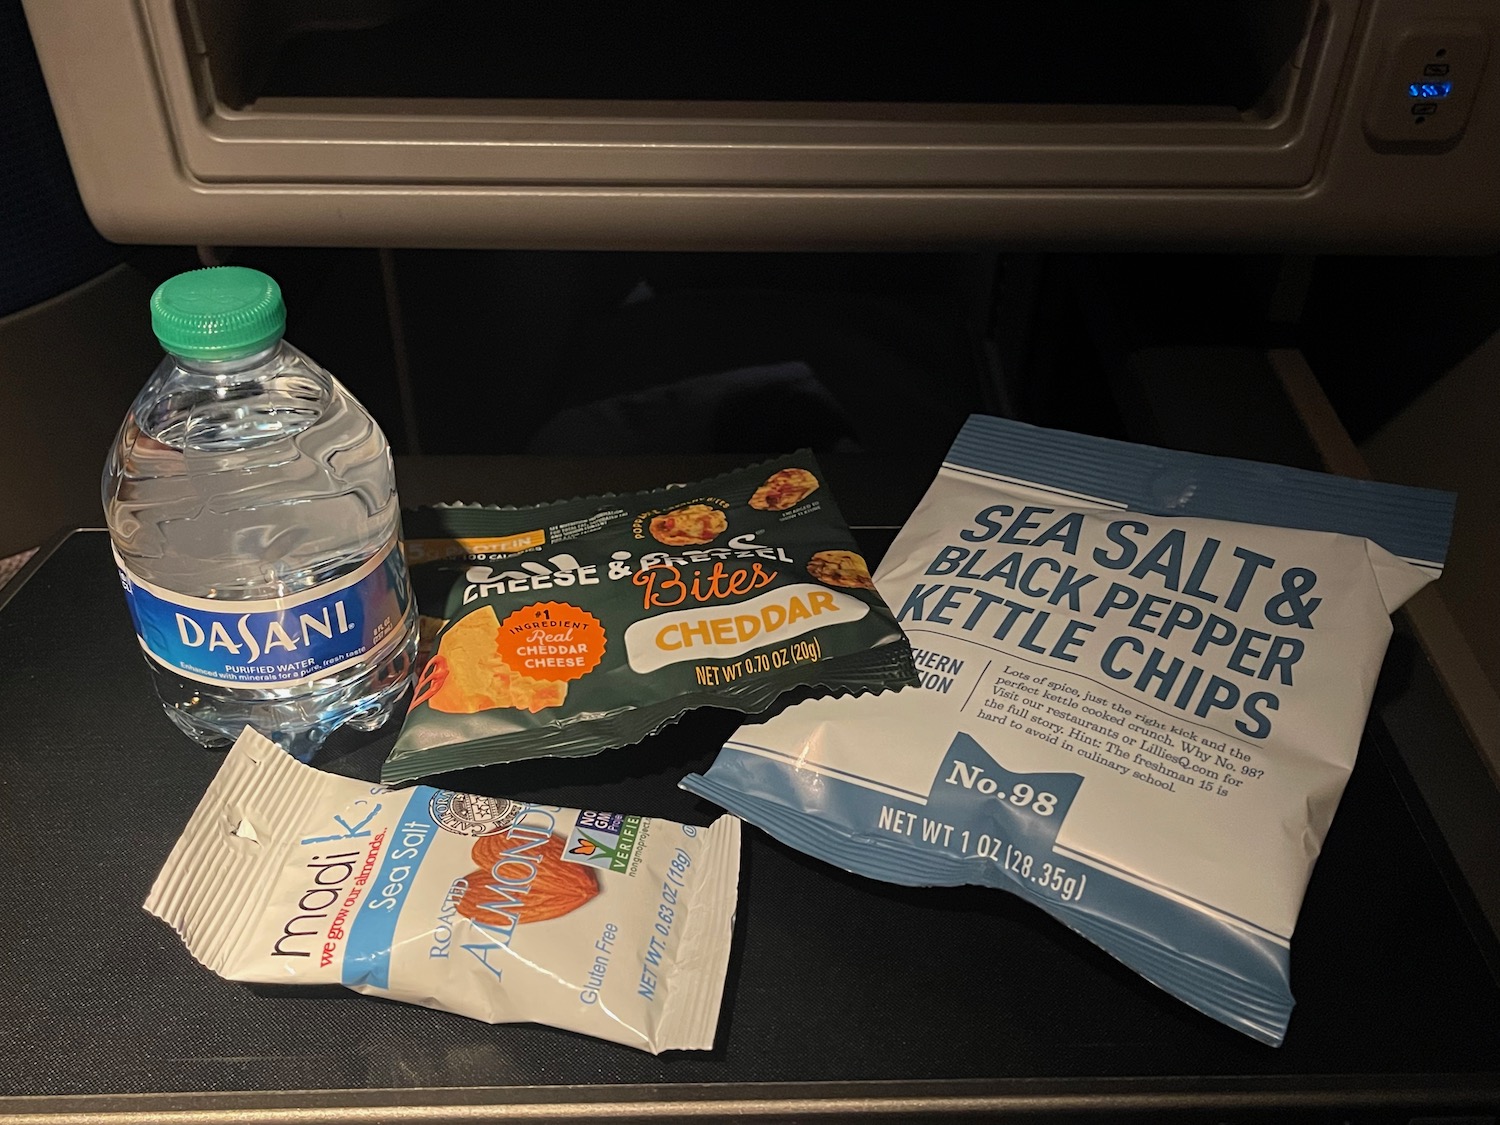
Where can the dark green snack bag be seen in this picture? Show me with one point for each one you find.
(569, 628)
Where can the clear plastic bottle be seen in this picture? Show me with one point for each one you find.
(252, 506)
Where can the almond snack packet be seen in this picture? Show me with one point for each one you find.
(505, 911)
(1145, 675)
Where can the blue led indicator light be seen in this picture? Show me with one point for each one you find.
(1430, 90)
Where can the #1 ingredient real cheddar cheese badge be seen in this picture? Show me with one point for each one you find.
(569, 628)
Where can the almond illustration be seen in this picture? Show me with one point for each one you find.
(499, 894)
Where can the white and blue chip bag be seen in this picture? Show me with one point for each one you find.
(1144, 677)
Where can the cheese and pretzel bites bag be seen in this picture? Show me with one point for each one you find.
(504, 911)
(569, 628)
(1144, 679)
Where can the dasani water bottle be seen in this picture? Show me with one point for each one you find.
(251, 502)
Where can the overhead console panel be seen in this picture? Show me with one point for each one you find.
(1242, 124)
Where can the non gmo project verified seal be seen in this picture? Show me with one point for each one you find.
(602, 839)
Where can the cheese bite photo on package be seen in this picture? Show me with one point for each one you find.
(1144, 679)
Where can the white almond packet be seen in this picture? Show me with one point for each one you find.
(505, 911)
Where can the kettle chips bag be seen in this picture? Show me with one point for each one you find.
(1144, 677)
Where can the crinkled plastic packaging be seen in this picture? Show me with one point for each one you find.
(611, 925)
(578, 626)
(1144, 677)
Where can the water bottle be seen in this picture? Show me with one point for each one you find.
(251, 504)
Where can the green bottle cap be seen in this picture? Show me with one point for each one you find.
(222, 312)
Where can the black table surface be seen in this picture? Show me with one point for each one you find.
(845, 996)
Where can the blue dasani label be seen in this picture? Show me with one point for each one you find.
(275, 642)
